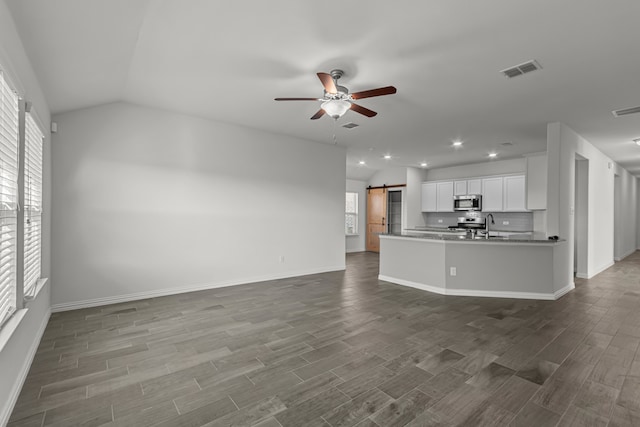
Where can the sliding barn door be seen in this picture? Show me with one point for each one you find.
(376, 221)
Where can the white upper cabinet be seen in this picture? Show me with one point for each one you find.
(515, 194)
(492, 194)
(429, 197)
(506, 193)
(460, 188)
(445, 196)
(474, 186)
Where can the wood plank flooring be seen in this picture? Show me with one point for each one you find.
(344, 349)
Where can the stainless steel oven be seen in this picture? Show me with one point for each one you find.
(470, 202)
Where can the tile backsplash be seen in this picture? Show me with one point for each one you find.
(517, 221)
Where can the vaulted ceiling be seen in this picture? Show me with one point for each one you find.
(227, 60)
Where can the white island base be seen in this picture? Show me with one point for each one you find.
(500, 269)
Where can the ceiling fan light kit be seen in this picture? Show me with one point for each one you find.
(336, 107)
(337, 100)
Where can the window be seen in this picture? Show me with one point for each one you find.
(351, 213)
(8, 198)
(32, 204)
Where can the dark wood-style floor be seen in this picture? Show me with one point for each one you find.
(343, 349)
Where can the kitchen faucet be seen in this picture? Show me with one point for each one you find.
(486, 225)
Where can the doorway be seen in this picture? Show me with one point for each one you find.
(376, 217)
(581, 218)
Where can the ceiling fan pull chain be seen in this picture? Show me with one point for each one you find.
(335, 124)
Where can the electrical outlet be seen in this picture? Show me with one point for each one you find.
(452, 271)
(439, 221)
(281, 258)
(505, 222)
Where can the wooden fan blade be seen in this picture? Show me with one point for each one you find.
(317, 115)
(296, 99)
(364, 111)
(327, 82)
(388, 90)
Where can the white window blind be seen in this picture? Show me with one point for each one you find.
(32, 204)
(8, 197)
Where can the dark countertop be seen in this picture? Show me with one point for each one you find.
(462, 238)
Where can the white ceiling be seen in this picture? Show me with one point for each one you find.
(227, 60)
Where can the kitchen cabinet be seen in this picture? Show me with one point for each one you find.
(460, 188)
(474, 186)
(515, 189)
(492, 194)
(429, 197)
(444, 196)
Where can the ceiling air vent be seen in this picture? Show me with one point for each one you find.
(626, 111)
(521, 69)
(350, 125)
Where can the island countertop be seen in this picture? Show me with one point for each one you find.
(451, 237)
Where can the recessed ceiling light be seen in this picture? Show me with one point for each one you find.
(492, 155)
(423, 164)
(361, 162)
(387, 156)
(637, 141)
(457, 143)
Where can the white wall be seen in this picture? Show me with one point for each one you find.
(626, 234)
(357, 243)
(390, 176)
(494, 167)
(19, 340)
(150, 202)
(413, 193)
(563, 144)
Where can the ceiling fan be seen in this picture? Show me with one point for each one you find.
(337, 100)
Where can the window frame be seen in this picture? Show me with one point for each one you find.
(352, 214)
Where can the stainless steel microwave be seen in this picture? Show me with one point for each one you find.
(470, 202)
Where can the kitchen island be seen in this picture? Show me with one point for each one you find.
(451, 264)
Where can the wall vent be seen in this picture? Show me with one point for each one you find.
(521, 69)
(626, 111)
(350, 125)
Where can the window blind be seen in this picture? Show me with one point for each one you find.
(32, 204)
(8, 197)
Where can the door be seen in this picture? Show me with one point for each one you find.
(492, 194)
(515, 197)
(460, 188)
(376, 221)
(429, 197)
(445, 196)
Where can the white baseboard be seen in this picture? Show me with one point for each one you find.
(474, 292)
(24, 370)
(624, 255)
(358, 249)
(595, 273)
(561, 292)
(95, 302)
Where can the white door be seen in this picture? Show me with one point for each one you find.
(492, 194)
(429, 197)
(460, 188)
(445, 196)
(474, 186)
(515, 197)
